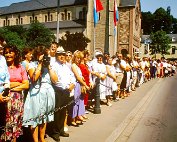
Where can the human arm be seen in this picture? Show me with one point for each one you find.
(109, 73)
(78, 77)
(22, 82)
(53, 75)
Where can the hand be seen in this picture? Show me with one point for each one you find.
(3, 99)
(91, 85)
(71, 87)
(41, 58)
(88, 88)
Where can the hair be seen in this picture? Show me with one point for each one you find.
(39, 50)
(26, 51)
(85, 52)
(1, 39)
(69, 52)
(54, 43)
(14, 49)
(78, 54)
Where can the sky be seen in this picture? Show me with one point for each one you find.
(146, 5)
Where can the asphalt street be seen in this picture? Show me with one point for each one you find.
(147, 115)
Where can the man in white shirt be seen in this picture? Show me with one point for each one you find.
(64, 83)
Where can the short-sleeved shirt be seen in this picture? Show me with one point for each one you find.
(4, 74)
(17, 74)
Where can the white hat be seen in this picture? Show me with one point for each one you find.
(98, 53)
(60, 50)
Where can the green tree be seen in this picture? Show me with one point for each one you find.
(147, 22)
(38, 34)
(12, 38)
(162, 20)
(74, 41)
(160, 42)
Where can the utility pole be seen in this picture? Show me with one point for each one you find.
(58, 19)
(106, 48)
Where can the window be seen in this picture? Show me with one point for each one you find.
(173, 39)
(45, 18)
(62, 16)
(16, 21)
(80, 15)
(51, 17)
(31, 20)
(4, 23)
(173, 50)
(35, 18)
(8, 22)
(69, 16)
(21, 20)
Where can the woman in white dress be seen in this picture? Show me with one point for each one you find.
(99, 72)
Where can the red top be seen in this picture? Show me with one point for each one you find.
(85, 73)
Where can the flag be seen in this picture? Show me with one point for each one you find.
(116, 14)
(97, 7)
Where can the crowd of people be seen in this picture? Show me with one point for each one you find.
(47, 89)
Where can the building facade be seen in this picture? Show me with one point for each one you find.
(144, 50)
(77, 16)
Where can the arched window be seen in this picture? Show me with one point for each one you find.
(51, 17)
(80, 15)
(69, 16)
(62, 16)
(31, 20)
(8, 22)
(173, 50)
(4, 23)
(45, 18)
(21, 20)
(16, 21)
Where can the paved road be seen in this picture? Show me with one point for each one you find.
(157, 119)
(147, 115)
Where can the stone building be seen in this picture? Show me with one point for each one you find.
(77, 16)
(129, 28)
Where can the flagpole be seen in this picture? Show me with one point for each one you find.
(94, 41)
(115, 36)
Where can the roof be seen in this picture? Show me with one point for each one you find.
(32, 5)
(63, 24)
(124, 3)
(146, 38)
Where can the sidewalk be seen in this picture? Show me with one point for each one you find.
(100, 127)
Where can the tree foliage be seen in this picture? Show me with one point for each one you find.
(160, 42)
(38, 34)
(12, 38)
(159, 20)
(74, 41)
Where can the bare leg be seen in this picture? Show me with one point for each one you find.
(35, 133)
(42, 129)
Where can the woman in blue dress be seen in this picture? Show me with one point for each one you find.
(41, 97)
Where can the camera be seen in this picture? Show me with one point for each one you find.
(46, 60)
(118, 61)
(6, 92)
